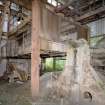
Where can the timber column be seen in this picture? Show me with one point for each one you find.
(35, 56)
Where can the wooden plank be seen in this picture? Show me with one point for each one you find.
(35, 56)
(21, 28)
(89, 14)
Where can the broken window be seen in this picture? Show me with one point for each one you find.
(52, 2)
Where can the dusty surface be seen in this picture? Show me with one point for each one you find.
(14, 94)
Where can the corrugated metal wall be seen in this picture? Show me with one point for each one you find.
(97, 27)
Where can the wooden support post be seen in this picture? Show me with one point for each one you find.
(35, 57)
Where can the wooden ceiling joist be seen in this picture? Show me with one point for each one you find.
(89, 14)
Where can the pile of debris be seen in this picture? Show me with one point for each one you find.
(13, 74)
(77, 84)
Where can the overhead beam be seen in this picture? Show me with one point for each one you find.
(89, 3)
(92, 13)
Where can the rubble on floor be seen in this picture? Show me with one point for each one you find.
(14, 74)
(15, 94)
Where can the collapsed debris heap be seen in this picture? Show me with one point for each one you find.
(78, 84)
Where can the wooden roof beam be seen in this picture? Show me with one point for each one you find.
(89, 14)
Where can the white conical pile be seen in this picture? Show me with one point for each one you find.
(77, 78)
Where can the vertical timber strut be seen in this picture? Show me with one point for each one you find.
(35, 56)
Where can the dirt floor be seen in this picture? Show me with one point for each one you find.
(19, 94)
(15, 94)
